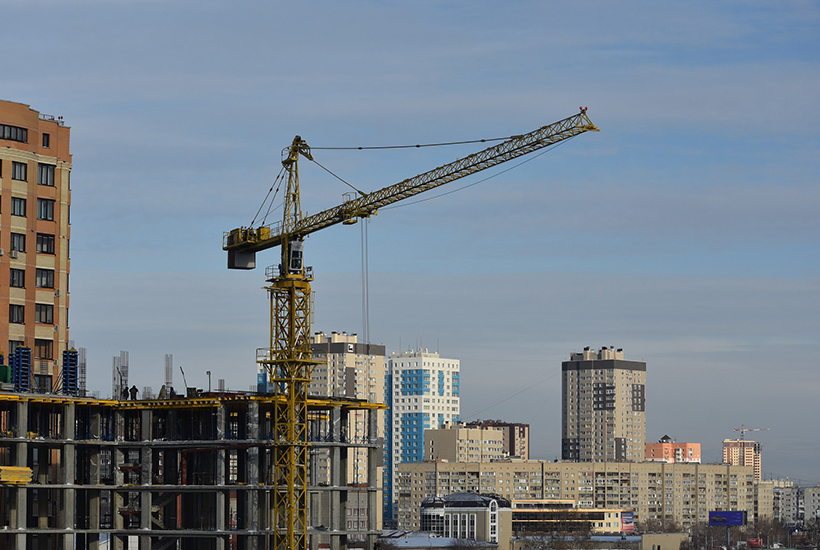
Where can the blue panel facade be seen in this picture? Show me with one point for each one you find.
(387, 492)
(404, 429)
(69, 381)
(20, 361)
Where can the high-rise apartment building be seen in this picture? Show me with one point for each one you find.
(787, 502)
(811, 503)
(516, 436)
(604, 407)
(742, 452)
(459, 442)
(35, 164)
(422, 391)
(671, 452)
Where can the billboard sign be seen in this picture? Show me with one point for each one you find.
(727, 518)
(627, 522)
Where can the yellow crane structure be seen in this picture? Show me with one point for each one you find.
(288, 360)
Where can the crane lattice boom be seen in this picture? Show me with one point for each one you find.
(243, 243)
(743, 429)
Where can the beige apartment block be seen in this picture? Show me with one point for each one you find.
(35, 197)
(516, 436)
(604, 407)
(350, 369)
(742, 452)
(456, 442)
(680, 493)
(764, 501)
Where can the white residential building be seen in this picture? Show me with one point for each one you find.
(422, 391)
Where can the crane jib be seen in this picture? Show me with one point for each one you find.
(249, 240)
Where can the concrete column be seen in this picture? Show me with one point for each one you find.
(221, 463)
(146, 475)
(117, 496)
(68, 474)
(252, 512)
(17, 511)
(373, 461)
(95, 431)
(41, 477)
(338, 478)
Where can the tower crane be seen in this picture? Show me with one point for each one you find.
(743, 429)
(288, 360)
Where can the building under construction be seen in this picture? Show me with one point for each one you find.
(183, 473)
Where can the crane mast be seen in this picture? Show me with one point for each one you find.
(289, 360)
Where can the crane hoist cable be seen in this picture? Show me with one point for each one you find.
(277, 182)
(362, 193)
(444, 194)
(418, 146)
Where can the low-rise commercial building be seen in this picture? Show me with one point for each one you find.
(494, 519)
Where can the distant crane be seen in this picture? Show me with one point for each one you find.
(743, 429)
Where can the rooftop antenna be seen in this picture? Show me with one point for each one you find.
(169, 370)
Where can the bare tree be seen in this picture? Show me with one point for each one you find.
(811, 528)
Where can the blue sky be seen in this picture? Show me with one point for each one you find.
(686, 231)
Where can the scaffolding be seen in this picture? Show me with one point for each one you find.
(182, 473)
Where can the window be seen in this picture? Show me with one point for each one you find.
(19, 171)
(45, 209)
(17, 314)
(17, 278)
(46, 140)
(14, 133)
(44, 278)
(45, 174)
(18, 242)
(43, 349)
(14, 344)
(18, 206)
(45, 243)
(44, 314)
